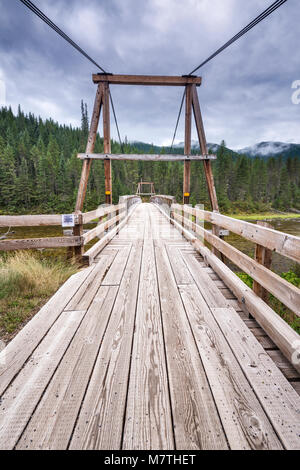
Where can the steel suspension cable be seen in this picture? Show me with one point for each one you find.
(247, 28)
(52, 25)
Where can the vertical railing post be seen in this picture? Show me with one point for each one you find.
(263, 256)
(78, 232)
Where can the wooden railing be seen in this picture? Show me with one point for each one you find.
(109, 218)
(285, 244)
(161, 199)
(119, 216)
(188, 221)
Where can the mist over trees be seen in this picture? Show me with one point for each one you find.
(40, 171)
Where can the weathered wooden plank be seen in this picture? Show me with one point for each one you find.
(148, 423)
(245, 423)
(100, 422)
(116, 270)
(196, 422)
(286, 292)
(21, 398)
(152, 80)
(96, 249)
(280, 242)
(36, 243)
(53, 421)
(21, 347)
(146, 157)
(86, 293)
(181, 273)
(30, 220)
(101, 212)
(211, 293)
(101, 228)
(278, 398)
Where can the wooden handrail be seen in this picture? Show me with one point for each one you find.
(101, 228)
(37, 243)
(286, 292)
(282, 243)
(32, 220)
(276, 328)
(101, 212)
(159, 198)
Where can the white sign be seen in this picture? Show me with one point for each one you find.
(68, 220)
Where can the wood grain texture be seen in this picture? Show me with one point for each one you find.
(22, 346)
(100, 423)
(196, 422)
(53, 421)
(116, 270)
(86, 167)
(30, 220)
(283, 243)
(36, 243)
(161, 80)
(181, 272)
(280, 401)
(145, 157)
(85, 294)
(148, 423)
(21, 398)
(286, 292)
(244, 421)
(277, 329)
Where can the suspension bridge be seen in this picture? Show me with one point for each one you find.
(156, 344)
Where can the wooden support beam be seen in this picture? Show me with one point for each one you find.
(206, 163)
(145, 157)
(90, 148)
(187, 144)
(203, 147)
(107, 144)
(37, 243)
(151, 80)
(262, 256)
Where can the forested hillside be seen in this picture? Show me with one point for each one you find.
(40, 172)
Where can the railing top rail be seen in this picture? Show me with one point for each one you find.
(280, 242)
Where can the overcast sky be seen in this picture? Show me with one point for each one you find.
(246, 92)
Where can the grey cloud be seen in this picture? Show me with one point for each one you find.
(246, 92)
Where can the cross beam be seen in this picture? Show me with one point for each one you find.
(151, 80)
(145, 157)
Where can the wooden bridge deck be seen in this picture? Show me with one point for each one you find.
(146, 349)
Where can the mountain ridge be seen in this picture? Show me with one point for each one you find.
(263, 149)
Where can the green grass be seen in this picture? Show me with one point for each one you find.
(264, 216)
(291, 318)
(26, 282)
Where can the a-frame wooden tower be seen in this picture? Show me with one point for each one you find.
(192, 106)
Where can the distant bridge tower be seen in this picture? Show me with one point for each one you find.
(142, 191)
